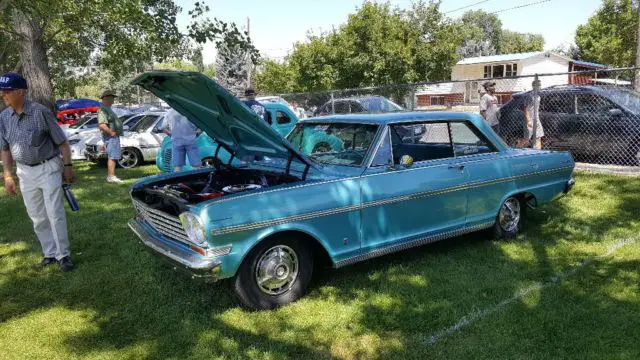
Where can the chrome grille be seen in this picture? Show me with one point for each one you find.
(91, 148)
(167, 225)
(166, 158)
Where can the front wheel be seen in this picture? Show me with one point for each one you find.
(275, 273)
(509, 219)
(129, 158)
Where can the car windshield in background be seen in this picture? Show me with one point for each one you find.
(624, 97)
(379, 104)
(144, 124)
(334, 144)
(82, 121)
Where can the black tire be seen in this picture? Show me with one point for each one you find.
(276, 291)
(130, 158)
(505, 226)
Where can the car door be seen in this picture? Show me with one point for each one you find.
(595, 137)
(409, 203)
(487, 173)
(559, 119)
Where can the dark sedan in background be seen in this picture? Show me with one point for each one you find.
(597, 124)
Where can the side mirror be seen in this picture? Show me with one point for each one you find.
(406, 161)
(615, 112)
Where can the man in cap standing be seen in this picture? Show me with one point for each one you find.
(111, 127)
(489, 106)
(30, 135)
(254, 105)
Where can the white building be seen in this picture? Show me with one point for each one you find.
(468, 74)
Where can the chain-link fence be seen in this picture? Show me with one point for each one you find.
(593, 114)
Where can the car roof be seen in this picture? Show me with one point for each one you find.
(394, 117)
(566, 88)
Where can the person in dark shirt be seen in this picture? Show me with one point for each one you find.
(254, 105)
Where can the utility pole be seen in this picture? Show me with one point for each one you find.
(248, 55)
(636, 80)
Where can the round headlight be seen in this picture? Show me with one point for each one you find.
(194, 228)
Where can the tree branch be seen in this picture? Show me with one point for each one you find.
(4, 4)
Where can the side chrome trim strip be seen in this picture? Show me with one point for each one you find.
(311, 215)
(413, 243)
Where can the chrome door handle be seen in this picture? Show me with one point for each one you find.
(459, 167)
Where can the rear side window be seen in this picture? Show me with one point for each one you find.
(560, 103)
(468, 141)
(282, 118)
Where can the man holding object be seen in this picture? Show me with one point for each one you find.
(30, 135)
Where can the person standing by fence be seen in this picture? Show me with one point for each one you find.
(533, 101)
(489, 106)
(30, 135)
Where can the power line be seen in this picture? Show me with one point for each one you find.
(468, 6)
(521, 6)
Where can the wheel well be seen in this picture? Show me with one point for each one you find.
(529, 199)
(320, 254)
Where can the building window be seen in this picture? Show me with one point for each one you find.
(437, 100)
(500, 70)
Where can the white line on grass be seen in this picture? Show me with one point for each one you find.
(477, 314)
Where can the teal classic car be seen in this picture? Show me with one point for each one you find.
(392, 182)
(282, 120)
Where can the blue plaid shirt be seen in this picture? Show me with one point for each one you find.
(32, 136)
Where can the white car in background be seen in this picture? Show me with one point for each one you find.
(85, 129)
(140, 142)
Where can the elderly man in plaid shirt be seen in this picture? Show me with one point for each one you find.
(30, 135)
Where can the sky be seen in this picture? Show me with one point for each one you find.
(276, 25)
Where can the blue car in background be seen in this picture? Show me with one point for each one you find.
(282, 120)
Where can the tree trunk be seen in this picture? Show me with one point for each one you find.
(33, 57)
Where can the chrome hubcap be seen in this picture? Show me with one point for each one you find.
(277, 270)
(128, 159)
(510, 215)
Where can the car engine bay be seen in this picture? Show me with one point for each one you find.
(174, 195)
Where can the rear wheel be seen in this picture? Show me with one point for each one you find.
(509, 219)
(275, 273)
(129, 158)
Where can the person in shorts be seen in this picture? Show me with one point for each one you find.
(111, 127)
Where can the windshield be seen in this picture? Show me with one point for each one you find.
(625, 97)
(144, 123)
(81, 122)
(334, 144)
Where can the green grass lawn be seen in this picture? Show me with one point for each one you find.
(454, 299)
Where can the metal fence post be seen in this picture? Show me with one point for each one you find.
(536, 102)
(333, 107)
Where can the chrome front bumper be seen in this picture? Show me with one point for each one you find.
(177, 254)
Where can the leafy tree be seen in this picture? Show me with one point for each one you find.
(379, 45)
(609, 36)
(514, 42)
(482, 34)
(275, 77)
(126, 36)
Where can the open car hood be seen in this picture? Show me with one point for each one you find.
(220, 114)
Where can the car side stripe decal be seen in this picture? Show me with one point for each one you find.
(334, 211)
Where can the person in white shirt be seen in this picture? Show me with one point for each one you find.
(489, 106)
(528, 111)
(184, 136)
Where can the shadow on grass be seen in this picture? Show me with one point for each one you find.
(391, 304)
